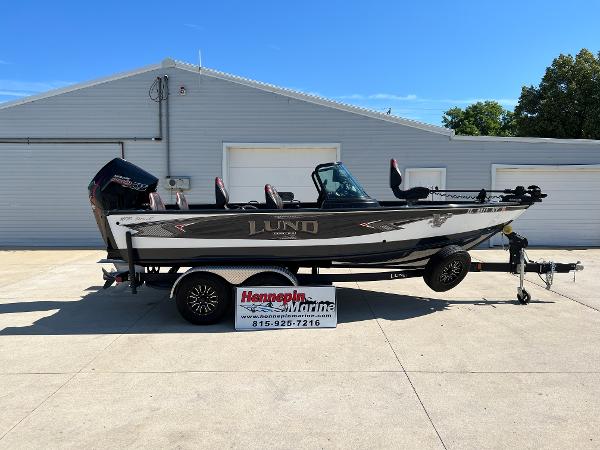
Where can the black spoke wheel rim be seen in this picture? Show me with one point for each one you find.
(203, 299)
(451, 272)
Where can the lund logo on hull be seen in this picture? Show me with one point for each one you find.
(290, 227)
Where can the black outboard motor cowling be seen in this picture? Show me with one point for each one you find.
(119, 185)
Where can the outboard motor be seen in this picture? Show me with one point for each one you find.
(119, 185)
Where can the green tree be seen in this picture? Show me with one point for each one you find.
(566, 103)
(487, 118)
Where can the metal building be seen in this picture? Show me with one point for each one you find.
(199, 123)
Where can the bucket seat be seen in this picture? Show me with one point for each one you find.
(182, 202)
(156, 203)
(272, 198)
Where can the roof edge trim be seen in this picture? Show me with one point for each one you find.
(322, 101)
(78, 86)
(531, 140)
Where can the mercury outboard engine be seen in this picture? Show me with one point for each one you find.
(119, 185)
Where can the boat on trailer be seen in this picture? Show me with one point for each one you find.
(343, 225)
(422, 233)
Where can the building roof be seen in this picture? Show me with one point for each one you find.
(291, 93)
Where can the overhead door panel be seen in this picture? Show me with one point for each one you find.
(286, 168)
(43, 193)
(569, 216)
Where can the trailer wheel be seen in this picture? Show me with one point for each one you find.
(447, 268)
(203, 298)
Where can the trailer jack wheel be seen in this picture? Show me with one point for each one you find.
(523, 296)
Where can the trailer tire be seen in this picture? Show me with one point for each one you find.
(447, 268)
(203, 298)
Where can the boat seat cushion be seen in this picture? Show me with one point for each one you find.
(416, 193)
(272, 197)
(221, 194)
(182, 201)
(410, 195)
(156, 203)
(395, 175)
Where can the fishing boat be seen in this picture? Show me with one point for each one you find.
(344, 225)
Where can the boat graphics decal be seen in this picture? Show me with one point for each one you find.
(439, 219)
(282, 226)
(285, 229)
(346, 228)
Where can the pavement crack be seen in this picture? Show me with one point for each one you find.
(562, 295)
(38, 406)
(52, 394)
(402, 366)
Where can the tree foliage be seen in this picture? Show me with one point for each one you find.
(566, 103)
(487, 118)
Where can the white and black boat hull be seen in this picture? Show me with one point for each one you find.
(309, 237)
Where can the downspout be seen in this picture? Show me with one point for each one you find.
(160, 99)
(167, 128)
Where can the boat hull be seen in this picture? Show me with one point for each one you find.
(398, 236)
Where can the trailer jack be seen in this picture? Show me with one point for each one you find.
(518, 264)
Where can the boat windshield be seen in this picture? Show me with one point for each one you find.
(337, 182)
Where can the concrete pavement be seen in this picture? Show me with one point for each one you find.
(405, 368)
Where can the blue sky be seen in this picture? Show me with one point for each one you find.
(418, 58)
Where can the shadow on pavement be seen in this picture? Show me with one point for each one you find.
(117, 311)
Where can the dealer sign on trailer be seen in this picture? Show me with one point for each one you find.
(285, 307)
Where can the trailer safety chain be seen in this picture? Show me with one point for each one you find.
(549, 275)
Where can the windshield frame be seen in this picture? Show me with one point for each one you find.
(320, 183)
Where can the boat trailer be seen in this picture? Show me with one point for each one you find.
(444, 263)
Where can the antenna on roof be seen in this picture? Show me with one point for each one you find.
(199, 58)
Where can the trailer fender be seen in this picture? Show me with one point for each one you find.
(235, 275)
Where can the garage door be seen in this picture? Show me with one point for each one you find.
(43, 194)
(287, 167)
(570, 216)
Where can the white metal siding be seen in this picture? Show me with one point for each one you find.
(569, 216)
(215, 111)
(286, 168)
(43, 194)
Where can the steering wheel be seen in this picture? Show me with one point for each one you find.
(344, 189)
